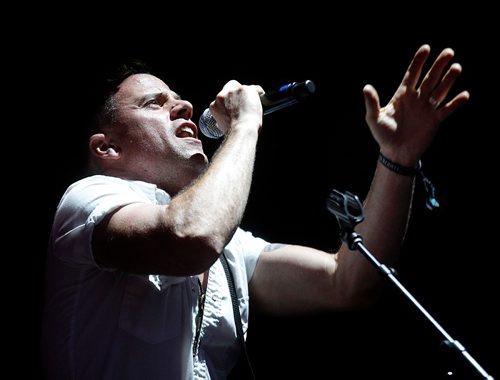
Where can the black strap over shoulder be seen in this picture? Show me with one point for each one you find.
(237, 316)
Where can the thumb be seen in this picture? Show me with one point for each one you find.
(372, 103)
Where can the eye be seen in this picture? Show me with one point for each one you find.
(152, 102)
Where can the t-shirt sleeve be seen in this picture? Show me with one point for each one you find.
(249, 247)
(85, 204)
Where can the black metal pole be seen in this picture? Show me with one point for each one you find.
(349, 212)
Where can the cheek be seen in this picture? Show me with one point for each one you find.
(154, 141)
(147, 133)
(153, 135)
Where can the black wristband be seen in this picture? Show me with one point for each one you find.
(396, 168)
(430, 201)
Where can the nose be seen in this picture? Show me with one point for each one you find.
(181, 109)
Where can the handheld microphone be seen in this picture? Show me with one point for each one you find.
(285, 96)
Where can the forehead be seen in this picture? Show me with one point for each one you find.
(139, 84)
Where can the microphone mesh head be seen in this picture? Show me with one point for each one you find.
(208, 125)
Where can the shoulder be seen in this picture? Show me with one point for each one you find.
(91, 198)
(103, 190)
(108, 184)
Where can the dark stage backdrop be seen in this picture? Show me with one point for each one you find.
(448, 259)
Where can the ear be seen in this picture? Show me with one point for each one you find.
(101, 148)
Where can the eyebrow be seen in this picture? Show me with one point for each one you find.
(153, 95)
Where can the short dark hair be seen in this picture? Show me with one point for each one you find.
(110, 85)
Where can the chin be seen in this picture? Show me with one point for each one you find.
(199, 160)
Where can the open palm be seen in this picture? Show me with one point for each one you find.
(405, 127)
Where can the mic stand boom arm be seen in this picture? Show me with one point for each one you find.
(348, 210)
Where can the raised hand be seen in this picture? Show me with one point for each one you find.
(406, 126)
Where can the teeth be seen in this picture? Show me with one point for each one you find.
(185, 131)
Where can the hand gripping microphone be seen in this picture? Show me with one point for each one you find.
(285, 96)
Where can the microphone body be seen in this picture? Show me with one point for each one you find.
(285, 96)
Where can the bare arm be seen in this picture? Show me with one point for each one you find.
(187, 236)
(290, 278)
(293, 278)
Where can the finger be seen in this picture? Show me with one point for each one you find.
(452, 105)
(441, 91)
(230, 86)
(372, 103)
(433, 76)
(415, 69)
(259, 89)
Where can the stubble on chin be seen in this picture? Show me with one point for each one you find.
(199, 161)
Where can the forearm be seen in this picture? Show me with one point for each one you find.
(211, 209)
(387, 208)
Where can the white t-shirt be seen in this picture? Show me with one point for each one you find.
(107, 324)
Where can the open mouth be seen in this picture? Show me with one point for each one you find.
(186, 130)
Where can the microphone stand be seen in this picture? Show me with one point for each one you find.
(348, 210)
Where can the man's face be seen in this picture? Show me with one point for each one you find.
(158, 141)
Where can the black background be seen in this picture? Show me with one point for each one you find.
(448, 260)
